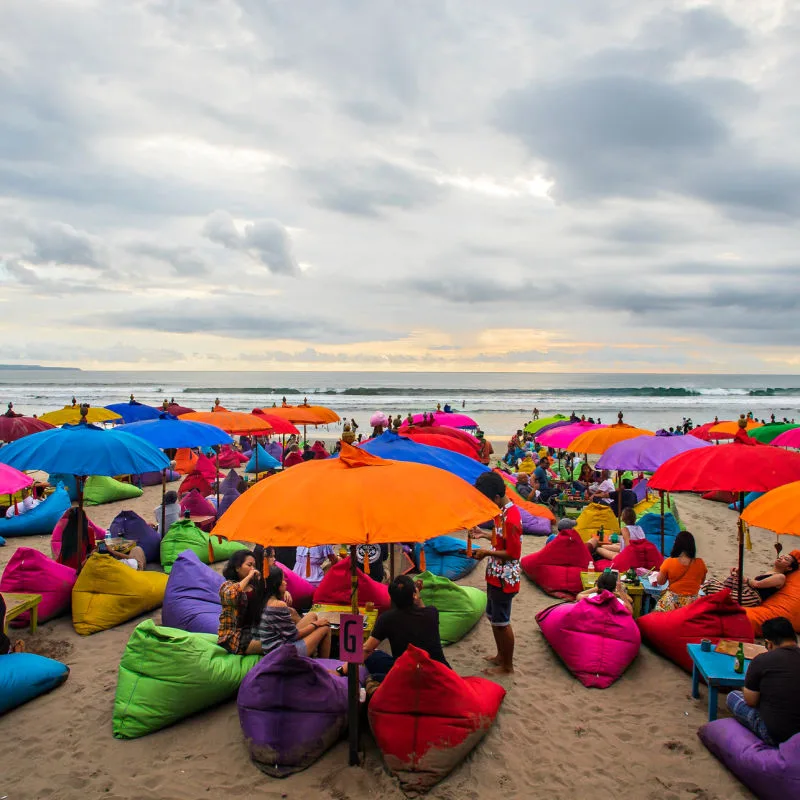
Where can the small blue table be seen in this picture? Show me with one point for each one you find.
(717, 671)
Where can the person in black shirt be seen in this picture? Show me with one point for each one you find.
(625, 498)
(768, 705)
(376, 554)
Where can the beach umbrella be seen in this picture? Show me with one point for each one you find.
(175, 409)
(766, 434)
(599, 440)
(442, 430)
(351, 505)
(133, 411)
(233, 422)
(562, 423)
(702, 431)
(778, 510)
(561, 438)
(72, 415)
(788, 439)
(444, 441)
(14, 426)
(543, 422)
(448, 419)
(12, 480)
(278, 424)
(305, 415)
(729, 428)
(741, 466)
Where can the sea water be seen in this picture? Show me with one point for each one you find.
(500, 402)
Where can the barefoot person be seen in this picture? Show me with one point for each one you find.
(502, 569)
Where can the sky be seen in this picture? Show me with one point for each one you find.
(437, 185)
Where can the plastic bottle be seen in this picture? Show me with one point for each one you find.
(591, 565)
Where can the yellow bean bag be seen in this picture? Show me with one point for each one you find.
(108, 593)
(784, 603)
(592, 517)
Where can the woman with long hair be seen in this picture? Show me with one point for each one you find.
(685, 573)
(77, 540)
(241, 597)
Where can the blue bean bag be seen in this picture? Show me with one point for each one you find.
(191, 601)
(748, 498)
(2, 541)
(446, 556)
(38, 521)
(129, 525)
(651, 525)
(24, 676)
(265, 461)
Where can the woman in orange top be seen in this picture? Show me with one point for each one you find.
(685, 573)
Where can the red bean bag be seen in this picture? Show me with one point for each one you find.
(197, 505)
(335, 588)
(556, 568)
(720, 496)
(194, 480)
(96, 533)
(784, 603)
(301, 590)
(29, 571)
(426, 718)
(639, 553)
(716, 616)
(596, 638)
(230, 458)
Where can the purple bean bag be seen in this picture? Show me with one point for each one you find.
(274, 449)
(771, 773)
(154, 478)
(535, 526)
(191, 601)
(231, 483)
(129, 525)
(197, 505)
(226, 501)
(291, 709)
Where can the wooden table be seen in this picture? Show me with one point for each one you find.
(569, 502)
(371, 616)
(588, 580)
(18, 603)
(717, 671)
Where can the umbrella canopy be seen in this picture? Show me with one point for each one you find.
(13, 427)
(537, 424)
(84, 450)
(777, 510)
(12, 480)
(175, 408)
(562, 437)
(71, 415)
(168, 432)
(279, 425)
(768, 433)
(400, 448)
(235, 422)
(788, 439)
(647, 453)
(601, 439)
(133, 411)
(562, 423)
(443, 430)
(351, 505)
(702, 431)
(441, 440)
(305, 415)
(449, 420)
(729, 428)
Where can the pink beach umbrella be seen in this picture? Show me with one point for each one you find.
(787, 439)
(562, 438)
(12, 480)
(443, 418)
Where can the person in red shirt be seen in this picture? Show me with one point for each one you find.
(502, 569)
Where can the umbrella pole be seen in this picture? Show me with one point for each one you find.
(163, 495)
(79, 481)
(661, 494)
(352, 672)
(619, 501)
(283, 448)
(216, 514)
(741, 545)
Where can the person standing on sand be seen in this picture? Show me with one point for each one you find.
(502, 569)
(486, 450)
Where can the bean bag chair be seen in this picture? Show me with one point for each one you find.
(446, 556)
(716, 616)
(771, 773)
(108, 593)
(748, 498)
(100, 489)
(556, 568)
(24, 676)
(166, 675)
(194, 480)
(129, 525)
(2, 541)
(291, 709)
(302, 591)
(185, 461)
(96, 533)
(226, 501)
(207, 468)
(593, 517)
(335, 588)
(38, 521)
(155, 478)
(32, 572)
(460, 607)
(265, 461)
(784, 603)
(275, 450)
(426, 718)
(229, 458)
(596, 638)
(185, 535)
(650, 523)
(197, 505)
(720, 496)
(535, 526)
(191, 600)
(231, 482)
(638, 554)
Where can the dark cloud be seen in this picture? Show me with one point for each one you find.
(58, 243)
(183, 260)
(25, 278)
(468, 290)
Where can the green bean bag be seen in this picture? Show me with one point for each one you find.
(185, 535)
(166, 675)
(460, 607)
(100, 489)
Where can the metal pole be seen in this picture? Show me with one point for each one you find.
(661, 495)
(163, 495)
(79, 480)
(352, 672)
(216, 515)
(741, 545)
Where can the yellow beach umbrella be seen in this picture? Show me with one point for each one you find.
(71, 415)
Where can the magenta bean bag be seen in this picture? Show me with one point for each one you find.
(228, 457)
(639, 553)
(534, 526)
(556, 568)
(55, 539)
(771, 773)
(129, 525)
(197, 505)
(194, 480)
(596, 638)
(301, 590)
(206, 467)
(30, 571)
(335, 588)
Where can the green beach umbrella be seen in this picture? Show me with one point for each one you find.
(536, 424)
(766, 433)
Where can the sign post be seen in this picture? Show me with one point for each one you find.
(351, 650)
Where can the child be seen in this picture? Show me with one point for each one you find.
(607, 581)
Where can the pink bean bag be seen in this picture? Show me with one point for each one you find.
(335, 588)
(639, 553)
(197, 505)
(301, 590)
(206, 467)
(194, 480)
(30, 571)
(55, 540)
(716, 616)
(556, 568)
(596, 638)
(230, 458)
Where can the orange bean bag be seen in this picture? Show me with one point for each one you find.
(185, 461)
(784, 603)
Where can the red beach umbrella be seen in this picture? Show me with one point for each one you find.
(439, 440)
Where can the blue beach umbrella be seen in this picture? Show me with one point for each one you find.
(132, 411)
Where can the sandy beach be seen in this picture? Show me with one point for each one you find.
(552, 738)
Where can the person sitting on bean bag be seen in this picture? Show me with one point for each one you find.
(629, 532)
(241, 605)
(768, 703)
(608, 581)
(685, 573)
(172, 511)
(77, 541)
(29, 502)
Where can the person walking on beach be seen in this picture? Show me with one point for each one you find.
(502, 569)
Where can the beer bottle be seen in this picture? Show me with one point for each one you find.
(738, 667)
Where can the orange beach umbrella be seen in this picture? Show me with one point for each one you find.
(598, 440)
(729, 428)
(305, 414)
(233, 422)
(777, 510)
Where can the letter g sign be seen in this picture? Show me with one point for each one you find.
(351, 638)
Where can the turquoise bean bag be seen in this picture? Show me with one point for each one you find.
(651, 525)
(166, 675)
(460, 607)
(446, 556)
(265, 461)
(39, 521)
(748, 498)
(24, 676)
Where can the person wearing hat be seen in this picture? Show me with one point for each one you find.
(486, 450)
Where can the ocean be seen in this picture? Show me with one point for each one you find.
(501, 402)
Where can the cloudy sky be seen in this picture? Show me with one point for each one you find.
(426, 185)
